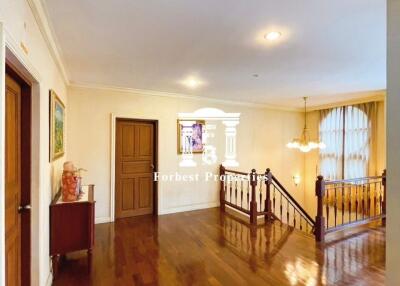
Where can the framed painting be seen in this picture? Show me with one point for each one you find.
(57, 126)
(197, 136)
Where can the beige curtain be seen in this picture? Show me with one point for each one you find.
(360, 140)
(350, 135)
(331, 133)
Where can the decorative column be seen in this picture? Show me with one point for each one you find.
(187, 144)
(230, 143)
(209, 155)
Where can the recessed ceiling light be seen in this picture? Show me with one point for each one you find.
(272, 36)
(191, 82)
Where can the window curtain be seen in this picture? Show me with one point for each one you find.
(349, 133)
(360, 140)
(331, 133)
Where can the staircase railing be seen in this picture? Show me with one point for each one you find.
(299, 216)
(262, 195)
(347, 203)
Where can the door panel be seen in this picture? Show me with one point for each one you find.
(134, 168)
(145, 184)
(13, 182)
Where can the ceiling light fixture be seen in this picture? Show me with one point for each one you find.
(192, 82)
(272, 36)
(304, 144)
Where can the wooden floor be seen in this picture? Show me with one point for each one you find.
(207, 248)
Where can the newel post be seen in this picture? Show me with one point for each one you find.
(268, 181)
(253, 202)
(222, 179)
(319, 219)
(384, 196)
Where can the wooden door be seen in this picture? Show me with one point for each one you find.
(134, 158)
(13, 182)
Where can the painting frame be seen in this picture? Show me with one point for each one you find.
(57, 140)
(179, 135)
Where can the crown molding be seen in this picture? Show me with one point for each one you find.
(39, 11)
(146, 92)
(361, 97)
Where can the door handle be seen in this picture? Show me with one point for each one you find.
(24, 208)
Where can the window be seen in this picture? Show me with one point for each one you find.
(347, 132)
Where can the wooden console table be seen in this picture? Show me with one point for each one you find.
(72, 226)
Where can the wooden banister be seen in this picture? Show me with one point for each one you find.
(253, 202)
(222, 188)
(236, 172)
(298, 206)
(384, 197)
(363, 199)
(268, 182)
(319, 219)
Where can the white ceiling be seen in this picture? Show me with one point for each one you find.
(327, 47)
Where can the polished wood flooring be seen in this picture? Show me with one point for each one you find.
(209, 248)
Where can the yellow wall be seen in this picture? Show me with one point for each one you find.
(20, 26)
(261, 138)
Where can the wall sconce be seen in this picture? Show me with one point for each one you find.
(296, 180)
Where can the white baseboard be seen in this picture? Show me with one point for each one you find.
(189, 208)
(104, 219)
(170, 210)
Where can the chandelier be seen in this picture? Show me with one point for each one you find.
(304, 144)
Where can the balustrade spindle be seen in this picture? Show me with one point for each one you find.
(230, 190)
(343, 210)
(327, 208)
(248, 195)
(260, 195)
(236, 184)
(274, 199)
(335, 204)
(380, 197)
(287, 211)
(362, 201)
(294, 217)
(268, 180)
(356, 186)
(241, 192)
(369, 199)
(350, 197)
(281, 207)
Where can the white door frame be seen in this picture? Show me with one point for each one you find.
(10, 51)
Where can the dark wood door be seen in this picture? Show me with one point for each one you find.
(134, 168)
(13, 182)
